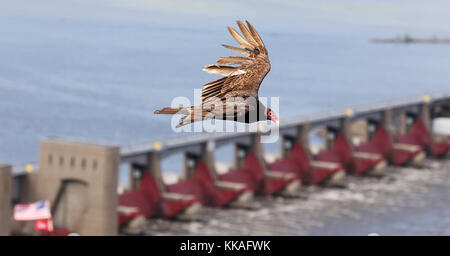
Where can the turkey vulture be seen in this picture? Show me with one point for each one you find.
(234, 96)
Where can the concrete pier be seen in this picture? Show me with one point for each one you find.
(82, 177)
(5, 199)
(80, 181)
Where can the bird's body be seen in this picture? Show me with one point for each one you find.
(234, 96)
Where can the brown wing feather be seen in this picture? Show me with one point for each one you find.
(237, 49)
(223, 70)
(247, 34)
(244, 44)
(214, 88)
(233, 60)
(257, 37)
(245, 78)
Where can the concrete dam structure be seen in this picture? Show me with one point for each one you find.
(80, 178)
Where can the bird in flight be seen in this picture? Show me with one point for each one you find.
(234, 96)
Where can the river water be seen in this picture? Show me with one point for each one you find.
(98, 69)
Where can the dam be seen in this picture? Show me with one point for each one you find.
(392, 139)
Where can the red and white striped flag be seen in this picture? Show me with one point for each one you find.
(35, 211)
(44, 225)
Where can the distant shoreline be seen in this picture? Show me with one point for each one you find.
(408, 39)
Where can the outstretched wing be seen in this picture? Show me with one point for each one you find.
(243, 75)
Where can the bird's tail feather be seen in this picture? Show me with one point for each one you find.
(172, 111)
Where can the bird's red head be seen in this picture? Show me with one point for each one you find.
(271, 116)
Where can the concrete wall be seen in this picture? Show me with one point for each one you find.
(5, 199)
(73, 204)
(359, 132)
(89, 173)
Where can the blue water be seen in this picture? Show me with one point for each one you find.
(98, 69)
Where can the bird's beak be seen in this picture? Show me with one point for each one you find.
(275, 120)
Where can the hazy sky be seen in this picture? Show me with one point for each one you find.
(404, 16)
